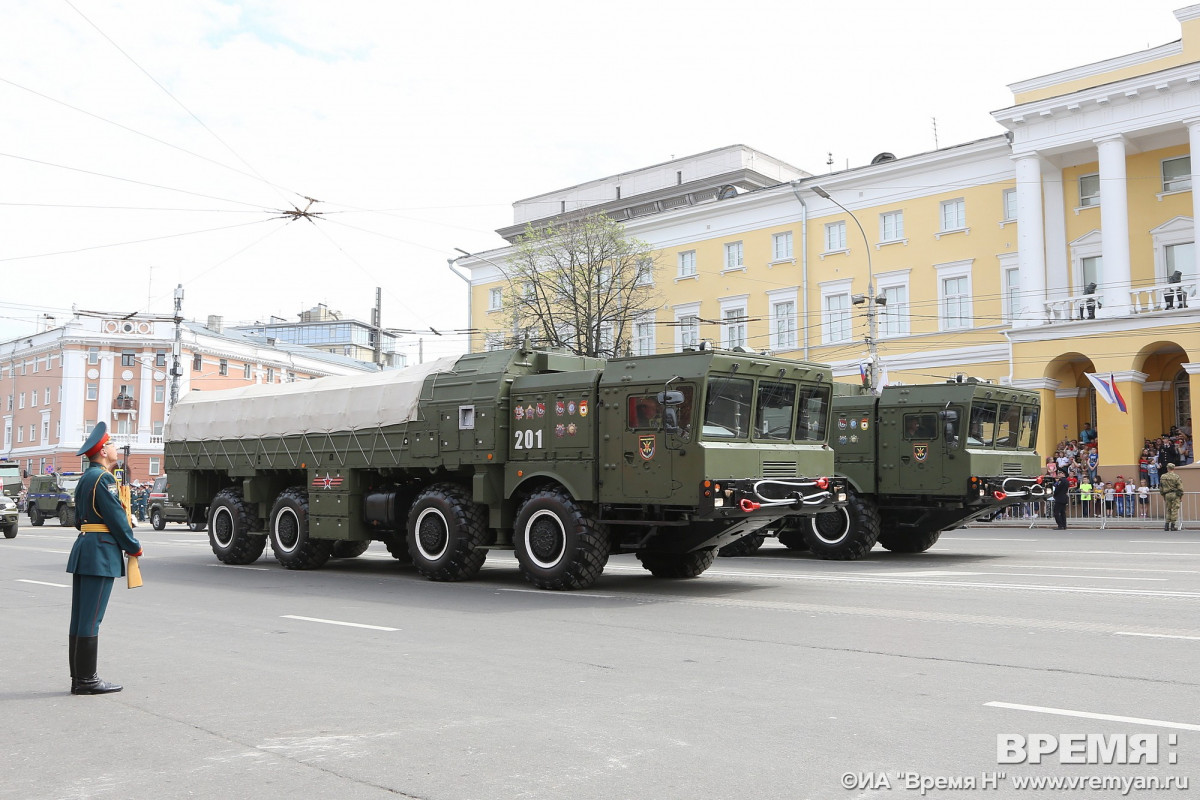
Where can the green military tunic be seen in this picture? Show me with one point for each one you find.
(97, 557)
(1170, 486)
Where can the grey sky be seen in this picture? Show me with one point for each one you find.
(417, 125)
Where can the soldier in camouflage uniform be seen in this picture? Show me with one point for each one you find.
(1170, 486)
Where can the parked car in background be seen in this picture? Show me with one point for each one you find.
(160, 510)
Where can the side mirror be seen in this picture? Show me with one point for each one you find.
(670, 398)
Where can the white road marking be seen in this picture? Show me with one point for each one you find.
(1112, 569)
(544, 593)
(239, 566)
(1156, 635)
(1065, 712)
(1147, 541)
(982, 540)
(1109, 553)
(338, 622)
(1073, 577)
(44, 583)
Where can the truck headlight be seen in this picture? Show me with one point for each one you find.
(841, 497)
(718, 502)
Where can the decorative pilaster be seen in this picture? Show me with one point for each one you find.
(1114, 226)
(1031, 241)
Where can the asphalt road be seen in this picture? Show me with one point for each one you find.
(768, 677)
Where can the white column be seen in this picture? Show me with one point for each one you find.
(145, 406)
(1058, 274)
(1114, 226)
(1031, 240)
(1193, 126)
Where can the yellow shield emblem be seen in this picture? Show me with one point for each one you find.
(920, 451)
(646, 446)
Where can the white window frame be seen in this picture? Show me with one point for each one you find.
(829, 333)
(959, 217)
(835, 237)
(784, 330)
(734, 257)
(153, 468)
(782, 247)
(1008, 206)
(495, 298)
(1090, 245)
(952, 271)
(687, 265)
(1088, 200)
(1179, 183)
(493, 341)
(645, 274)
(160, 393)
(687, 335)
(896, 218)
(1179, 230)
(1011, 301)
(894, 319)
(644, 340)
(735, 321)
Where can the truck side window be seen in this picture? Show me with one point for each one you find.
(920, 426)
(1009, 425)
(727, 408)
(644, 412)
(812, 415)
(982, 430)
(773, 411)
(1029, 427)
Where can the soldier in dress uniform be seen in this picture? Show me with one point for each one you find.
(96, 558)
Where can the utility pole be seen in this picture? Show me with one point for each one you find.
(377, 323)
(176, 349)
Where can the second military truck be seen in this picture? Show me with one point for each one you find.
(919, 460)
(564, 459)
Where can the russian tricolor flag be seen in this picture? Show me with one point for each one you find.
(1107, 388)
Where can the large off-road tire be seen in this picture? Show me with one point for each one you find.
(229, 529)
(11, 531)
(678, 565)
(846, 534)
(745, 546)
(909, 541)
(35, 517)
(66, 516)
(292, 546)
(397, 545)
(347, 549)
(447, 533)
(156, 520)
(793, 538)
(558, 544)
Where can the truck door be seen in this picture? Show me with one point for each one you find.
(645, 460)
(921, 456)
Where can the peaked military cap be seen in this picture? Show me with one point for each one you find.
(95, 441)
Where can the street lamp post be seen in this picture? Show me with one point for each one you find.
(871, 300)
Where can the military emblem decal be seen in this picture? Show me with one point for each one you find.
(842, 423)
(853, 440)
(571, 408)
(854, 423)
(519, 412)
(529, 411)
(572, 429)
(328, 482)
(841, 440)
(863, 424)
(646, 447)
(560, 407)
(541, 409)
(560, 430)
(583, 408)
(920, 451)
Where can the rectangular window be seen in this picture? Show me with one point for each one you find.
(36, 363)
(33, 399)
(783, 328)
(157, 428)
(270, 374)
(153, 469)
(687, 264)
(643, 337)
(835, 236)
(645, 274)
(10, 402)
(45, 430)
(246, 371)
(689, 331)
(1181, 257)
(733, 255)
(93, 391)
(128, 358)
(734, 324)
(20, 434)
(1090, 272)
(893, 315)
(93, 355)
(223, 367)
(1177, 174)
(956, 302)
(954, 215)
(781, 245)
(46, 397)
(837, 318)
(160, 393)
(891, 226)
(22, 401)
(495, 299)
(160, 358)
(197, 362)
(1089, 190)
(1010, 205)
(493, 341)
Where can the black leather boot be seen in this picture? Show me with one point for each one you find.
(72, 641)
(86, 679)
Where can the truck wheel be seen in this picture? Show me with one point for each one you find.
(558, 545)
(398, 547)
(229, 527)
(678, 565)
(35, 517)
(347, 549)
(11, 531)
(156, 520)
(793, 539)
(290, 542)
(66, 516)
(909, 541)
(745, 546)
(846, 534)
(446, 534)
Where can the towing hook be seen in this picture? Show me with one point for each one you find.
(999, 495)
(749, 505)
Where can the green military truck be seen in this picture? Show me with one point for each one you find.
(564, 459)
(919, 460)
(52, 496)
(10, 489)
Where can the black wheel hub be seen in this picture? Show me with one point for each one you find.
(545, 540)
(432, 534)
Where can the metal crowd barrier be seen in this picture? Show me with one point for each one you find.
(1102, 513)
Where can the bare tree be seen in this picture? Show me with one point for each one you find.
(580, 284)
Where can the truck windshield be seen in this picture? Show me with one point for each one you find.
(773, 410)
(812, 416)
(1029, 427)
(69, 484)
(727, 408)
(982, 430)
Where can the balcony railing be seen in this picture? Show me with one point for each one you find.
(1160, 297)
(124, 402)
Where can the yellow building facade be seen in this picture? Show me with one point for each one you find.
(1061, 247)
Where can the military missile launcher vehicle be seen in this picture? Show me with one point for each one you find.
(919, 460)
(564, 459)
